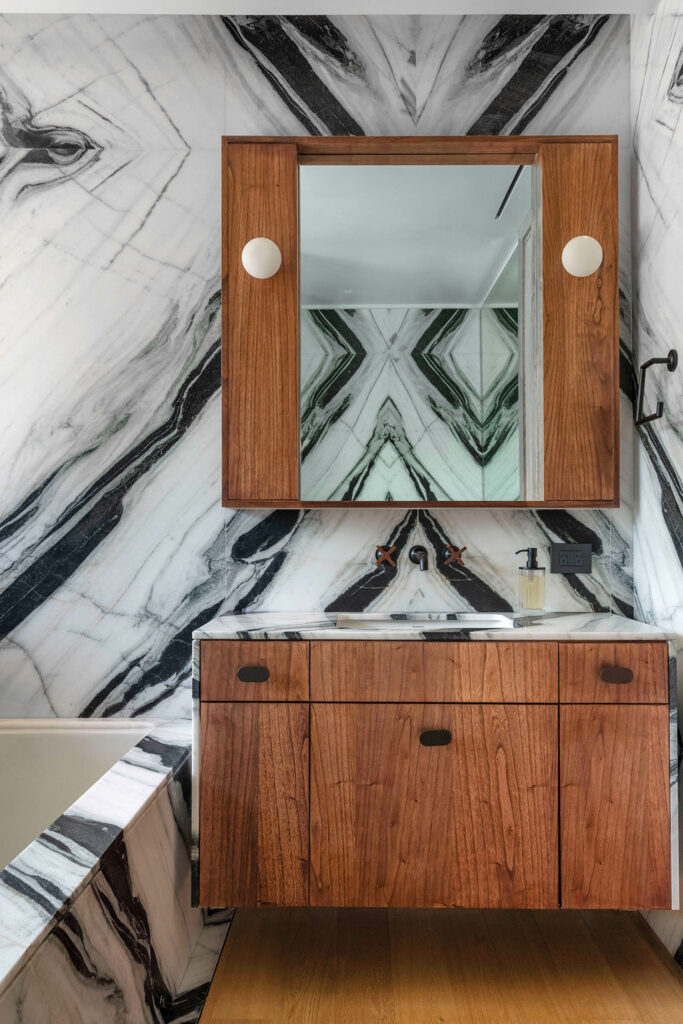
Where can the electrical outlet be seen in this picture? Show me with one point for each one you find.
(569, 558)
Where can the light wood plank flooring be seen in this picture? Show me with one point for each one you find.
(315, 966)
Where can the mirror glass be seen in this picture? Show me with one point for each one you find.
(416, 330)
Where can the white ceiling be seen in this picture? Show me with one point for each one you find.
(409, 235)
(330, 6)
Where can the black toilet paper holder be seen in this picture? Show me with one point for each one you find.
(671, 361)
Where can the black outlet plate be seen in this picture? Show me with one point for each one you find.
(570, 558)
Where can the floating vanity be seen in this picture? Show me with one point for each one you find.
(434, 761)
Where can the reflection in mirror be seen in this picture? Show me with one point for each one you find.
(414, 327)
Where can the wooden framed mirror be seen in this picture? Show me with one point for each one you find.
(415, 338)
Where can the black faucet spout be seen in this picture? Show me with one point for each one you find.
(418, 554)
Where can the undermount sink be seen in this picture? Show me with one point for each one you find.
(423, 622)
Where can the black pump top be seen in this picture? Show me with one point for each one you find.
(531, 560)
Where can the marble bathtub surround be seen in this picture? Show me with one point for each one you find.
(95, 912)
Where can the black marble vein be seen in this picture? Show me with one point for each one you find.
(92, 516)
(543, 68)
(269, 40)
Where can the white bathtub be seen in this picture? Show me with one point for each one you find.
(47, 764)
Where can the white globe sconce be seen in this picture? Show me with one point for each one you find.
(261, 258)
(582, 256)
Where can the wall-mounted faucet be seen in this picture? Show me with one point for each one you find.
(418, 554)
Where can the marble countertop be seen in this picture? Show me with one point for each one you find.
(323, 626)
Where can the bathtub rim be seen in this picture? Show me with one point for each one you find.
(148, 767)
(8, 725)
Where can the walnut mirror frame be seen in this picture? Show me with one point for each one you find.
(579, 431)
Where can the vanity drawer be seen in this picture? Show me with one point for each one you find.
(413, 670)
(616, 673)
(254, 670)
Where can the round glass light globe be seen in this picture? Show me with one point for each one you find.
(261, 258)
(582, 256)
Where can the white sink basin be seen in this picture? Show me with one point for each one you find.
(424, 622)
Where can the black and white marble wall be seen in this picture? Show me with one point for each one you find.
(113, 544)
(657, 102)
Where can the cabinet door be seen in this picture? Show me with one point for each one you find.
(614, 806)
(253, 805)
(469, 823)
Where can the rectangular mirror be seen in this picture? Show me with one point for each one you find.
(421, 371)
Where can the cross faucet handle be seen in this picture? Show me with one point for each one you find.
(450, 555)
(384, 555)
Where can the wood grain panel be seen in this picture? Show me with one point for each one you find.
(286, 662)
(394, 823)
(260, 325)
(412, 670)
(580, 665)
(580, 324)
(254, 805)
(614, 806)
(412, 145)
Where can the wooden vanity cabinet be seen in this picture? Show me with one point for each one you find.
(437, 774)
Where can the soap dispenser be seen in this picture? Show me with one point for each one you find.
(531, 581)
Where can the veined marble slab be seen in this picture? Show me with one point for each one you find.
(656, 106)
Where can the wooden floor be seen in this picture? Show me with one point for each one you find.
(439, 966)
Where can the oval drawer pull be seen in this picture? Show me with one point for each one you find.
(253, 674)
(615, 674)
(435, 738)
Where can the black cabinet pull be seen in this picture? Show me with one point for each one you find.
(615, 674)
(252, 674)
(435, 738)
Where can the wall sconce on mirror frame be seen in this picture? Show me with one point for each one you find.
(582, 256)
(261, 258)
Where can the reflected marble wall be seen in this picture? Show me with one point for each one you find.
(657, 101)
(409, 404)
(113, 544)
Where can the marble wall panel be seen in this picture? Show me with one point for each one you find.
(657, 113)
(113, 544)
